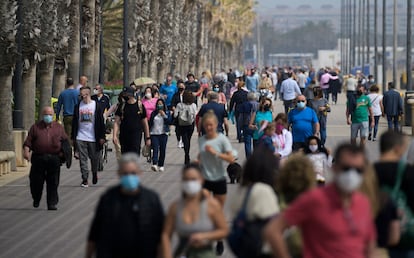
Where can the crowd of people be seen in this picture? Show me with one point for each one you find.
(358, 204)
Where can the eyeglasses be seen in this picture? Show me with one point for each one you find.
(346, 168)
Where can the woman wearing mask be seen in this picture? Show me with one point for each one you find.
(321, 107)
(221, 95)
(159, 128)
(214, 150)
(257, 186)
(197, 220)
(178, 98)
(186, 130)
(263, 114)
(282, 139)
(149, 101)
(377, 111)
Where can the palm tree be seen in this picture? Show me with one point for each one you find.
(88, 38)
(30, 52)
(7, 61)
(47, 47)
(74, 40)
(166, 32)
(153, 40)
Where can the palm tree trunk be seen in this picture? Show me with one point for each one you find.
(74, 42)
(46, 78)
(59, 82)
(97, 44)
(29, 95)
(6, 125)
(154, 39)
(88, 39)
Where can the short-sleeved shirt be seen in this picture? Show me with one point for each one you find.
(131, 117)
(259, 118)
(213, 168)
(375, 101)
(86, 129)
(219, 111)
(331, 230)
(361, 113)
(168, 90)
(302, 121)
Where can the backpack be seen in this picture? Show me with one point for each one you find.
(140, 109)
(407, 217)
(185, 118)
(245, 238)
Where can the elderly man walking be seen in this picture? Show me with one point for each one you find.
(43, 148)
(129, 218)
(304, 122)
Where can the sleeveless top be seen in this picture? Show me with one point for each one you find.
(202, 224)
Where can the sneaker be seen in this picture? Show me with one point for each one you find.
(94, 178)
(219, 248)
(374, 139)
(161, 169)
(154, 168)
(180, 144)
(369, 137)
(85, 183)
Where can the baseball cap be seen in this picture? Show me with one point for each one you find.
(128, 91)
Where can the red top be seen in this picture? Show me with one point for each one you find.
(328, 229)
(45, 139)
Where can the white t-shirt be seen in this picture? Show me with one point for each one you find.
(375, 102)
(86, 130)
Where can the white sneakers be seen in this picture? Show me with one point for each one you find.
(155, 168)
(180, 144)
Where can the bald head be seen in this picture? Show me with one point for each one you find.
(83, 80)
(47, 111)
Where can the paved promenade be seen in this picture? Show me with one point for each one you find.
(29, 232)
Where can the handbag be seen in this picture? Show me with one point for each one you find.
(245, 238)
(406, 216)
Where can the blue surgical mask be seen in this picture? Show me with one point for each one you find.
(301, 104)
(216, 89)
(130, 183)
(47, 119)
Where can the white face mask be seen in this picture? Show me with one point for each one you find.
(191, 187)
(95, 92)
(148, 95)
(313, 148)
(348, 181)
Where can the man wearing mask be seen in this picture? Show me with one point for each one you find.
(42, 148)
(192, 85)
(100, 98)
(89, 134)
(357, 116)
(341, 226)
(131, 121)
(304, 123)
(219, 111)
(167, 90)
(129, 218)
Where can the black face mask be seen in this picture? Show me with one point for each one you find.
(359, 93)
(266, 107)
(125, 98)
(180, 89)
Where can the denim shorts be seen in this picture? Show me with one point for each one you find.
(361, 127)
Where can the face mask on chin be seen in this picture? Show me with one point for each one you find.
(348, 181)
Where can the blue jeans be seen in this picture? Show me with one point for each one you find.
(376, 121)
(158, 143)
(326, 94)
(393, 120)
(323, 135)
(401, 253)
(248, 136)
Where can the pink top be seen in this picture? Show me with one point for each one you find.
(325, 80)
(329, 229)
(149, 105)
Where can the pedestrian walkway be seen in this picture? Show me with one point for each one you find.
(29, 232)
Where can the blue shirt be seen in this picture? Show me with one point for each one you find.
(219, 111)
(168, 90)
(260, 117)
(251, 83)
(69, 98)
(302, 121)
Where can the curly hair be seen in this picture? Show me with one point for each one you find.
(295, 177)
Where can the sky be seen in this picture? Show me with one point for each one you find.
(263, 4)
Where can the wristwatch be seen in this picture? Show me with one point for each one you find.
(148, 138)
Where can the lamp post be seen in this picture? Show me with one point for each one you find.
(18, 91)
(408, 64)
(384, 45)
(125, 43)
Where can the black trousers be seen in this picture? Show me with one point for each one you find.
(186, 132)
(131, 142)
(45, 167)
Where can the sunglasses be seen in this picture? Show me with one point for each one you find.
(346, 168)
(301, 100)
(124, 173)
